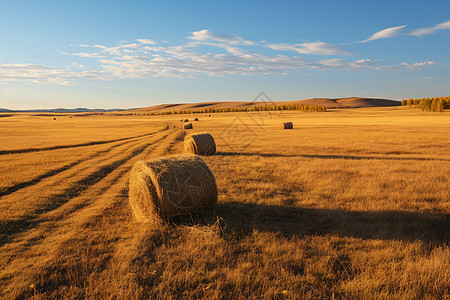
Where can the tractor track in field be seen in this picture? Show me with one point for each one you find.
(11, 189)
(75, 189)
(108, 199)
(15, 151)
(83, 164)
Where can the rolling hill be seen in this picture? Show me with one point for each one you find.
(352, 102)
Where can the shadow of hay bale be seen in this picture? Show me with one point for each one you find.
(243, 219)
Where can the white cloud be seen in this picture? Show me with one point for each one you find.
(85, 54)
(142, 59)
(207, 36)
(399, 30)
(318, 48)
(41, 74)
(77, 65)
(146, 41)
(430, 30)
(418, 65)
(179, 63)
(364, 64)
(333, 63)
(386, 33)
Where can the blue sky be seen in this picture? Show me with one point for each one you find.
(107, 54)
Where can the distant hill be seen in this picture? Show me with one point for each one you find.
(60, 110)
(352, 102)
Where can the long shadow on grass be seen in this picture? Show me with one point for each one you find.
(241, 219)
(327, 156)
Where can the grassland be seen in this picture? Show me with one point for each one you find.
(349, 204)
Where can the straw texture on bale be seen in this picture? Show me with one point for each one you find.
(200, 144)
(187, 126)
(171, 186)
(288, 125)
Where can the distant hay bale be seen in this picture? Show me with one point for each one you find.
(188, 126)
(170, 186)
(196, 119)
(186, 120)
(288, 125)
(54, 118)
(200, 144)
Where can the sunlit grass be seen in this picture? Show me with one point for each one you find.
(349, 204)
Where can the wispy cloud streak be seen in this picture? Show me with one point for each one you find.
(400, 30)
(386, 33)
(318, 48)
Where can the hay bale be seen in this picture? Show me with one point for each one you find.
(186, 120)
(200, 144)
(170, 186)
(196, 119)
(188, 126)
(54, 118)
(288, 125)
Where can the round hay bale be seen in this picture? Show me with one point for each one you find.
(54, 118)
(186, 120)
(188, 126)
(196, 119)
(170, 186)
(288, 125)
(200, 144)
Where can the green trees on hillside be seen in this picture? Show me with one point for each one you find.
(436, 104)
(305, 108)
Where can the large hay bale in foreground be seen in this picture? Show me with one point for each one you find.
(288, 125)
(200, 144)
(167, 187)
(188, 126)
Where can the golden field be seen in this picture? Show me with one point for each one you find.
(349, 204)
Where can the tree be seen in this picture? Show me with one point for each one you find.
(440, 106)
(433, 106)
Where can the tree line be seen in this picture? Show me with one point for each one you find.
(436, 104)
(305, 108)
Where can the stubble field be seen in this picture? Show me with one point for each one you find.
(350, 204)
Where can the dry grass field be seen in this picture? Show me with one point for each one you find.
(349, 204)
